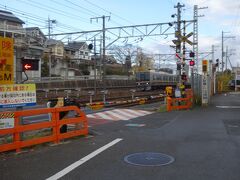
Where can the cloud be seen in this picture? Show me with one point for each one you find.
(217, 7)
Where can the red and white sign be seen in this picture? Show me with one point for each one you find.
(178, 56)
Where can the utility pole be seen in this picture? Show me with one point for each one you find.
(222, 50)
(50, 23)
(178, 34)
(214, 73)
(19, 56)
(95, 54)
(223, 38)
(195, 33)
(104, 46)
(226, 56)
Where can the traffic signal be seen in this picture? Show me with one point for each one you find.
(217, 62)
(192, 63)
(90, 46)
(191, 54)
(30, 64)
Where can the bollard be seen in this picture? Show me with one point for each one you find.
(56, 91)
(78, 91)
(132, 92)
(46, 93)
(104, 92)
(90, 93)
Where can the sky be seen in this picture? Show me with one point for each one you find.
(74, 15)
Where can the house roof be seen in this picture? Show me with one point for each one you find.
(5, 15)
(76, 45)
(30, 29)
(50, 42)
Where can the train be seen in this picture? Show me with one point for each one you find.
(151, 80)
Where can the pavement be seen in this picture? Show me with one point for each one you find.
(204, 142)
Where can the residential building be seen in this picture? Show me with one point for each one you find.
(81, 50)
(55, 51)
(10, 25)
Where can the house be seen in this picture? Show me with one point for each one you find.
(35, 36)
(55, 51)
(10, 25)
(35, 41)
(81, 50)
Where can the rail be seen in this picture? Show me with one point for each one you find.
(80, 122)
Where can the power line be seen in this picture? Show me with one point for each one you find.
(36, 18)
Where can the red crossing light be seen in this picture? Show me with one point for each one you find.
(191, 63)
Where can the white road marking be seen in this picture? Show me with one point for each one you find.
(228, 107)
(83, 160)
(123, 113)
(119, 114)
(137, 112)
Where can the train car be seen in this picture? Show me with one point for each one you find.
(150, 80)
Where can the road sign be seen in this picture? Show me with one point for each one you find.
(6, 61)
(178, 56)
(185, 38)
(176, 42)
(6, 120)
(17, 95)
(204, 90)
(30, 64)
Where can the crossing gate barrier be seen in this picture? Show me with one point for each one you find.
(180, 103)
(53, 125)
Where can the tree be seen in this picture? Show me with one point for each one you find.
(45, 66)
(143, 62)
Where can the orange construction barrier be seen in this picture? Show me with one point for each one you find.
(79, 122)
(180, 103)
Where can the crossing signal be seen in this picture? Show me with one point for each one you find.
(192, 63)
(184, 77)
(191, 54)
(30, 64)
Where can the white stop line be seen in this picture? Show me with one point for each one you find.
(83, 160)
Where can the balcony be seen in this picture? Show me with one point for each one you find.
(12, 29)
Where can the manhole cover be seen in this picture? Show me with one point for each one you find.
(148, 159)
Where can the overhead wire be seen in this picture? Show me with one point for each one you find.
(37, 19)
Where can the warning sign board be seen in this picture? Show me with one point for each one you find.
(6, 120)
(17, 95)
(6, 61)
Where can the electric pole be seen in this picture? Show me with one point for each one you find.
(50, 26)
(223, 38)
(178, 34)
(226, 56)
(195, 33)
(104, 46)
(178, 31)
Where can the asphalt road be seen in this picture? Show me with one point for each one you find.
(205, 143)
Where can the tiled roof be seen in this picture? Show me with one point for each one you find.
(76, 45)
(50, 42)
(5, 15)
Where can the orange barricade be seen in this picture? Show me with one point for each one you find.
(180, 103)
(80, 122)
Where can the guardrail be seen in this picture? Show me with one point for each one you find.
(180, 103)
(54, 125)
